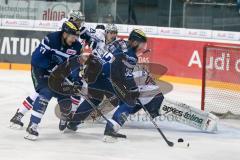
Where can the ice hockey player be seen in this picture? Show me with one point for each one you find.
(54, 49)
(78, 18)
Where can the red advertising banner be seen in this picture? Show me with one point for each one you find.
(182, 58)
(222, 63)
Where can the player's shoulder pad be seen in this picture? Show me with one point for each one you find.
(52, 37)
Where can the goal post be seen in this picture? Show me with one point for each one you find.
(221, 80)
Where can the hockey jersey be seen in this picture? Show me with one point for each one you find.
(52, 52)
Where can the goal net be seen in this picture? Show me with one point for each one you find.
(221, 80)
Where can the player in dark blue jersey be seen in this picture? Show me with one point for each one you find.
(117, 66)
(55, 49)
(78, 18)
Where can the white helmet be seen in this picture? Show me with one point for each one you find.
(111, 28)
(77, 17)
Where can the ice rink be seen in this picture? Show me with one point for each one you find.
(143, 142)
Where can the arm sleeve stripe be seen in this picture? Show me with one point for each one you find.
(46, 46)
(61, 53)
(55, 50)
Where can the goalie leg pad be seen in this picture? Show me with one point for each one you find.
(188, 115)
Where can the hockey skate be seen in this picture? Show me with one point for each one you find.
(32, 133)
(111, 136)
(15, 122)
(64, 119)
(71, 127)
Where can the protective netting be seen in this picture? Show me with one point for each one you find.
(221, 81)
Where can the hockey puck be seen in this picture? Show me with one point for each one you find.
(183, 144)
(180, 140)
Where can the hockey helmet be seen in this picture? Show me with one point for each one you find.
(70, 28)
(138, 35)
(111, 28)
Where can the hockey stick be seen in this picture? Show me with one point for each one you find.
(169, 143)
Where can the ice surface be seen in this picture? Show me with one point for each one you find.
(143, 143)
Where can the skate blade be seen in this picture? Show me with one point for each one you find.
(110, 139)
(68, 131)
(15, 126)
(62, 128)
(31, 137)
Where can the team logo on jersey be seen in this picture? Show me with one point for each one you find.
(71, 51)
